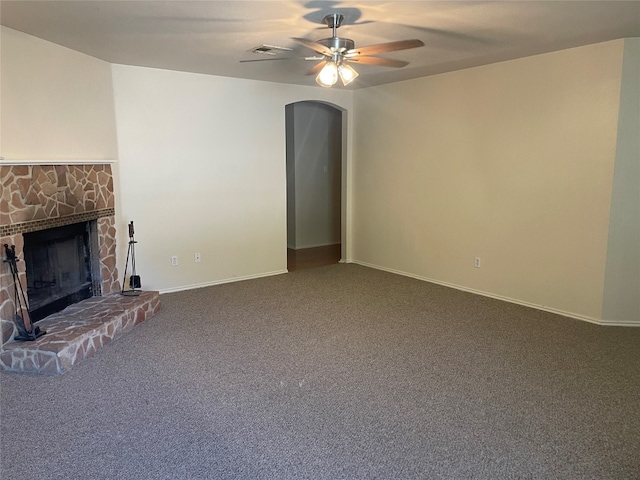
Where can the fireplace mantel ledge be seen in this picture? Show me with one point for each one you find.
(57, 161)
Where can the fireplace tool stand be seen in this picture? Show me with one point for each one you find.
(134, 279)
(25, 333)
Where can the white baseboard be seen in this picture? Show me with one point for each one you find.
(618, 323)
(220, 282)
(612, 323)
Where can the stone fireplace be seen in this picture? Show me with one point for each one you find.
(34, 198)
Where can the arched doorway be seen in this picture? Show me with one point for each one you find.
(314, 184)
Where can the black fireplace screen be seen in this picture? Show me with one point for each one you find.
(58, 262)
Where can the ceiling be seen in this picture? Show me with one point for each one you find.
(211, 37)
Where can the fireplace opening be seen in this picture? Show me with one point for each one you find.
(59, 265)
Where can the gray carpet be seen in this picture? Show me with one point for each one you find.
(337, 372)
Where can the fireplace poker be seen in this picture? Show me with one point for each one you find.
(25, 333)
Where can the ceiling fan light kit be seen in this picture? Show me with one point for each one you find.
(347, 74)
(329, 74)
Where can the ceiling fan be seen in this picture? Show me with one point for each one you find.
(338, 52)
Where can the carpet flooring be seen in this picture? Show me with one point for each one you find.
(339, 372)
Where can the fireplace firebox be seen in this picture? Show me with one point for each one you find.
(60, 263)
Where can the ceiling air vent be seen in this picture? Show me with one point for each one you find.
(269, 50)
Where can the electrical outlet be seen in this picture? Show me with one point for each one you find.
(196, 257)
(477, 262)
(174, 261)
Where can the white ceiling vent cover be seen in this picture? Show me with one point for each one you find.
(269, 49)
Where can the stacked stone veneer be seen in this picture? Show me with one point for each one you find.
(35, 197)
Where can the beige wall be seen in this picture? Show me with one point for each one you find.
(510, 162)
(202, 169)
(56, 104)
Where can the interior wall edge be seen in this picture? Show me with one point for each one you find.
(621, 296)
(563, 313)
(221, 282)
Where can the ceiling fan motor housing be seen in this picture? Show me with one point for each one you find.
(337, 44)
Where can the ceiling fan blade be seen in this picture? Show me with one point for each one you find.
(378, 61)
(385, 47)
(316, 68)
(314, 46)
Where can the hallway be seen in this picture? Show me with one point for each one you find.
(312, 257)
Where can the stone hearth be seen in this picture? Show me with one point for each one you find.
(77, 332)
